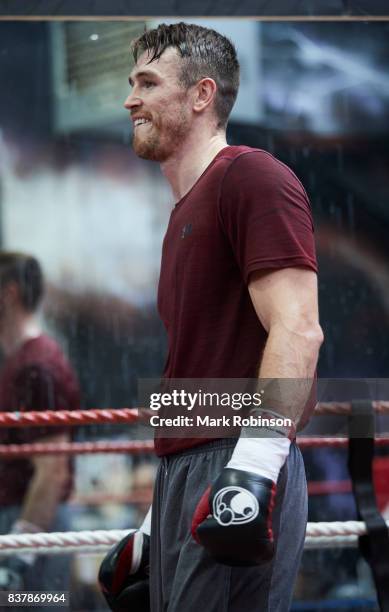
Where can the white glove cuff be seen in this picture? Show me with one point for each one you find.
(262, 456)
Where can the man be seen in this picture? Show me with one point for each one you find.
(35, 375)
(238, 297)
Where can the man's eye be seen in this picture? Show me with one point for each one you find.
(148, 84)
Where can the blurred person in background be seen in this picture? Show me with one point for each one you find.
(35, 375)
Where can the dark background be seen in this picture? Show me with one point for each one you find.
(190, 8)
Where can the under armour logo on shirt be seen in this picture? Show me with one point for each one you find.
(186, 230)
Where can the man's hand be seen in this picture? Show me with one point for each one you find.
(233, 520)
(12, 573)
(124, 572)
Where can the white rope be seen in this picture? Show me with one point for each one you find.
(61, 542)
(319, 535)
(337, 528)
(81, 549)
(315, 543)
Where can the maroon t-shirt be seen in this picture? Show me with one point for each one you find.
(247, 212)
(36, 377)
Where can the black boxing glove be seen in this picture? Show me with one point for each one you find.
(124, 572)
(233, 520)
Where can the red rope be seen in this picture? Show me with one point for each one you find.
(344, 408)
(334, 442)
(134, 447)
(100, 499)
(130, 415)
(68, 417)
(329, 487)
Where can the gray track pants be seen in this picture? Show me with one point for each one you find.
(183, 577)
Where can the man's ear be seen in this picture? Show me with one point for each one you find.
(204, 94)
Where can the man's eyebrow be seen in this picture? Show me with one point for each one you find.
(142, 73)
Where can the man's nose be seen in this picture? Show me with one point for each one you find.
(132, 101)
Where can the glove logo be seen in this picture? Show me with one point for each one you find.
(234, 506)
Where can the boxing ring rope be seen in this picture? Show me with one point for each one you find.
(345, 409)
(134, 447)
(131, 415)
(69, 417)
(319, 535)
(328, 487)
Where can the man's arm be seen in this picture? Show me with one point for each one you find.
(286, 303)
(47, 486)
(36, 389)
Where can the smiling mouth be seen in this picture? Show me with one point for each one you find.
(139, 122)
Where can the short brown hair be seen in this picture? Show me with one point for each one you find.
(26, 272)
(204, 53)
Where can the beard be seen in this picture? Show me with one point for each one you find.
(161, 139)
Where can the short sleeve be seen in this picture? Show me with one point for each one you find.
(266, 215)
(36, 389)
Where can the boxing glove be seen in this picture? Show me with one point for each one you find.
(233, 520)
(124, 572)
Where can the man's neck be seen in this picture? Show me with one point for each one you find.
(185, 167)
(18, 331)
